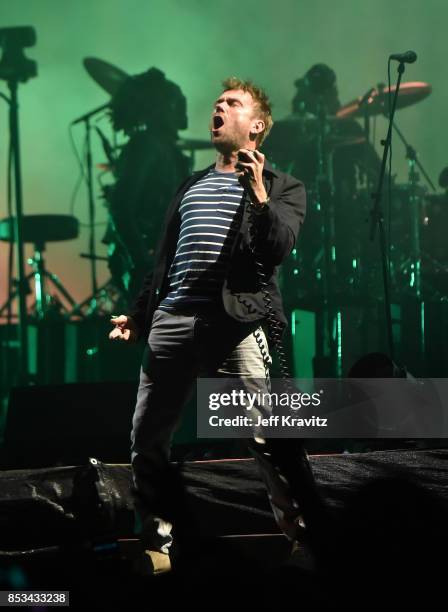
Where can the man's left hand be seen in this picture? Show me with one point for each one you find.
(249, 170)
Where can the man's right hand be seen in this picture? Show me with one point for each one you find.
(125, 329)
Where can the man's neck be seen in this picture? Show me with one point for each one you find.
(225, 161)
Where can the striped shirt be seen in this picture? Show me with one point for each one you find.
(211, 212)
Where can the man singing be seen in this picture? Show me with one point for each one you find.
(201, 311)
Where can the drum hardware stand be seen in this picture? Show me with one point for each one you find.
(413, 180)
(411, 155)
(415, 260)
(107, 291)
(364, 106)
(90, 307)
(328, 350)
(40, 274)
(377, 219)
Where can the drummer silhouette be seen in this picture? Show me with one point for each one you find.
(150, 110)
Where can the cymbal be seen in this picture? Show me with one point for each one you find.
(193, 144)
(108, 76)
(377, 102)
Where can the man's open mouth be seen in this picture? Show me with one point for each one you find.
(218, 122)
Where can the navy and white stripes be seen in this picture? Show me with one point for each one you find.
(211, 213)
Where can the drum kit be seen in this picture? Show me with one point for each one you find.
(338, 164)
(336, 265)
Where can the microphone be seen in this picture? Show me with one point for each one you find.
(90, 114)
(408, 57)
(367, 96)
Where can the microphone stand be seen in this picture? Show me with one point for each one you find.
(377, 219)
(91, 203)
(16, 68)
(85, 118)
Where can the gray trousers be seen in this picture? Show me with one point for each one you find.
(181, 348)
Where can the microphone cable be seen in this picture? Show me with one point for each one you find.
(275, 327)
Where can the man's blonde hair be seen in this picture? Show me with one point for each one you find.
(261, 100)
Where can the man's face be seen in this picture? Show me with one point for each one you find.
(234, 123)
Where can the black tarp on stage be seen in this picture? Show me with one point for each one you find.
(47, 507)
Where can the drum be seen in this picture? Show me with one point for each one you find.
(416, 246)
(325, 266)
(434, 245)
(326, 262)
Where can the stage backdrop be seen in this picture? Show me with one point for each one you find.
(197, 43)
